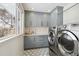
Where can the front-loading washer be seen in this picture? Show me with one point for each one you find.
(68, 40)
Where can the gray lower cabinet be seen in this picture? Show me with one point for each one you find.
(36, 41)
(41, 41)
(28, 42)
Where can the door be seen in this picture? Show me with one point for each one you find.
(67, 43)
(29, 42)
(41, 41)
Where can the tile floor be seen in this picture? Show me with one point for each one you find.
(37, 52)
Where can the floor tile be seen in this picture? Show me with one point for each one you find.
(37, 52)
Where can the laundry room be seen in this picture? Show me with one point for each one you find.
(54, 31)
(39, 29)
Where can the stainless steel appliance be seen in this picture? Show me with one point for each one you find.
(51, 37)
(67, 41)
(52, 40)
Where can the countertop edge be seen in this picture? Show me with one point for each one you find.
(6, 38)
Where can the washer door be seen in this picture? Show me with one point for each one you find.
(51, 38)
(67, 43)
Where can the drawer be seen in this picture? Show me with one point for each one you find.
(41, 39)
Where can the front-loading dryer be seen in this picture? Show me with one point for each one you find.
(51, 37)
(68, 40)
(52, 41)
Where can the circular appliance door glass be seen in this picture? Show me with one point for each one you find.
(67, 42)
(51, 37)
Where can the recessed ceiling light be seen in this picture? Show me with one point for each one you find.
(32, 8)
(48, 10)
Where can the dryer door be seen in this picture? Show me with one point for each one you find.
(51, 38)
(67, 43)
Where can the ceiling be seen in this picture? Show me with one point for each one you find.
(42, 7)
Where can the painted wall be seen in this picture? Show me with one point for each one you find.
(30, 31)
(71, 15)
(12, 47)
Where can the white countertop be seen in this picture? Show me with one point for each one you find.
(35, 35)
(5, 38)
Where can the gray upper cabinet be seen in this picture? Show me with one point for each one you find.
(53, 19)
(27, 20)
(60, 15)
(36, 19)
(46, 18)
(56, 17)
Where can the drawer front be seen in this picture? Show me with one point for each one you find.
(41, 39)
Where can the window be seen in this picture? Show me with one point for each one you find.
(7, 23)
(11, 19)
(19, 19)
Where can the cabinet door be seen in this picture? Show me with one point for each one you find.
(46, 18)
(30, 19)
(56, 17)
(28, 42)
(33, 19)
(41, 41)
(35, 42)
(53, 19)
(28, 22)
(42, 19)
(38, 21)
(59, 20)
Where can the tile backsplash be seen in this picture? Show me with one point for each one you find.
(36, 31)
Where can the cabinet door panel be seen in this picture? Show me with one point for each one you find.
(35, 42)
(46, 18)
(38, 21)
(56, 18)
(34, 19)
(27, 19)
(28, 42)
(41, 41)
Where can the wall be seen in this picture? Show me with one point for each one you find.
(29, 31)
(71, 15)
(12, 47)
